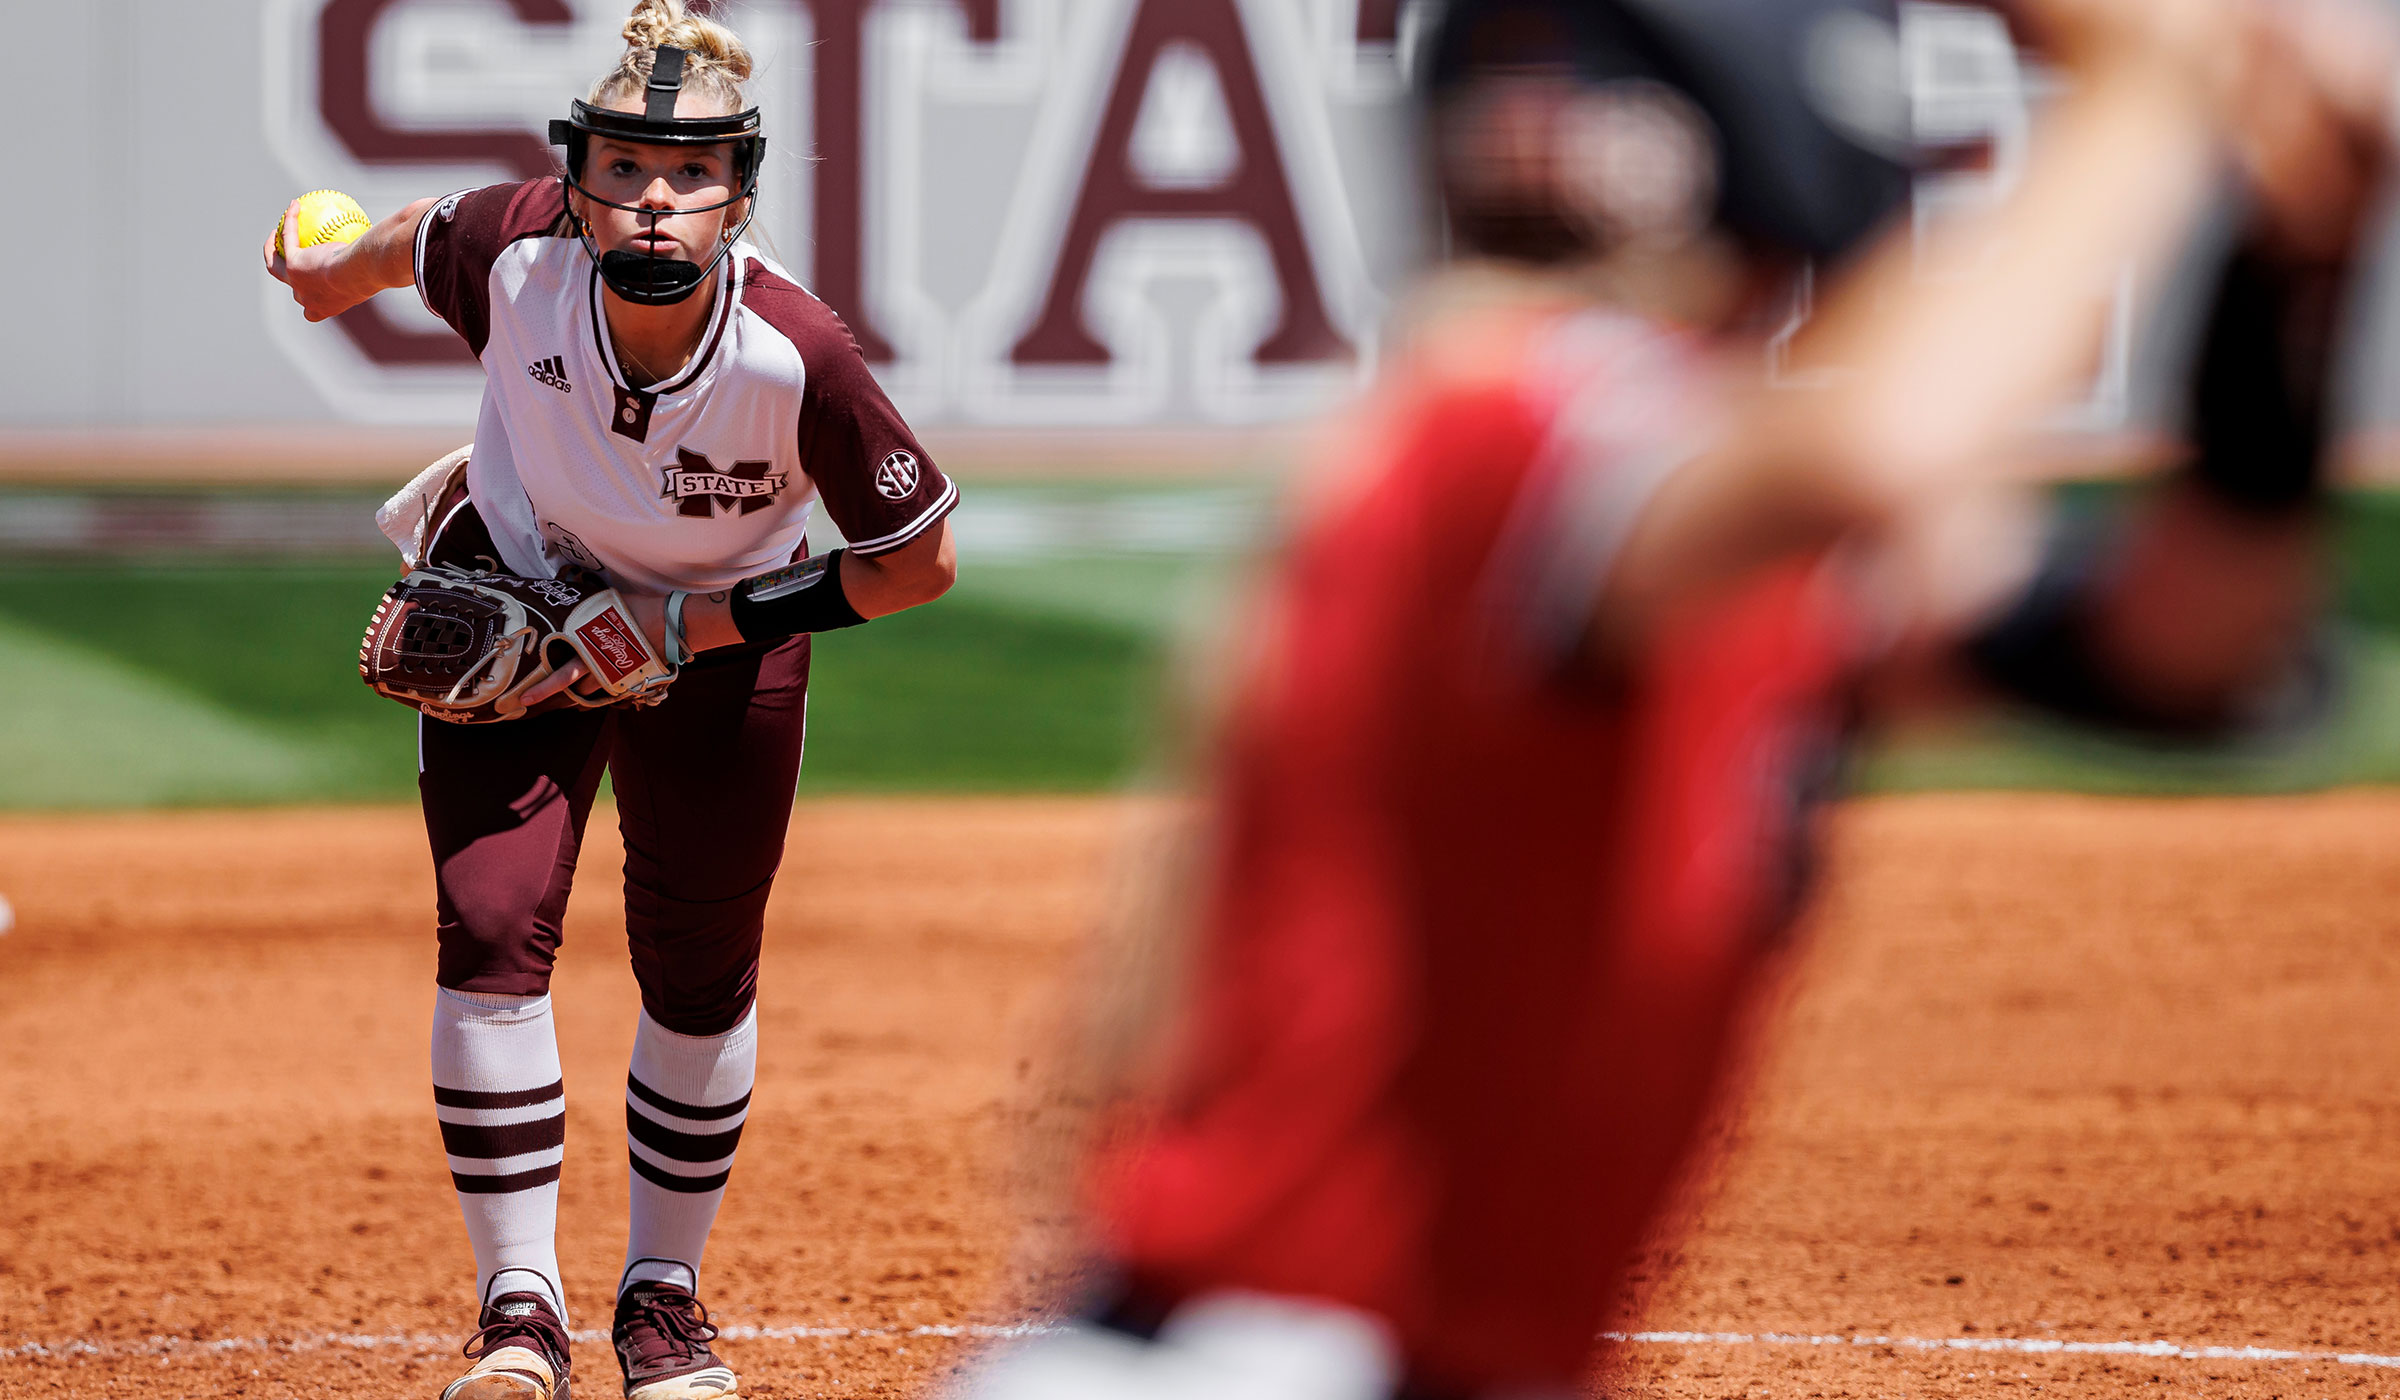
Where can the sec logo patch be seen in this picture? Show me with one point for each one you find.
(897, 477)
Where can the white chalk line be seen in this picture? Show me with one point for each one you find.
(2020, 1346)
(438, 1342)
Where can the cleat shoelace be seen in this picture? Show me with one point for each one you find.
(550, 1337)
(676, 1323)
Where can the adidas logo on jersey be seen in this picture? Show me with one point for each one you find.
(552, 372)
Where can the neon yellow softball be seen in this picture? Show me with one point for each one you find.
(326, 216)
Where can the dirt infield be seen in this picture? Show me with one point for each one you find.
(2054, 1077)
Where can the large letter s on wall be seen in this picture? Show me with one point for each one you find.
(346, 98)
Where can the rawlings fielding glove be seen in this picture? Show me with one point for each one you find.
(464, 645)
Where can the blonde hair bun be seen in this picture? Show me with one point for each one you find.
(720, 62)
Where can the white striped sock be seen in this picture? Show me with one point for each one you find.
(502, 1105)
(686, 1099)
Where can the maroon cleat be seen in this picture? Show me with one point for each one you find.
(662, 1335)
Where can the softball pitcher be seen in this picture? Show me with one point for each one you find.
(664, 406)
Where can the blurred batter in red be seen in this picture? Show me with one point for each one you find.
(1513, 802)
(1475, 933)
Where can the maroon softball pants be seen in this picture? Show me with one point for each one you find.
(704, 784)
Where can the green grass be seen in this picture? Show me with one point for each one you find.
(175, 685)
(970, 694)
(81, 729)
(203, 684)
(208, 683)
(2369, 549)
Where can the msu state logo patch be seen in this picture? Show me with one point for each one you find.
(897, 477)
(698, 488)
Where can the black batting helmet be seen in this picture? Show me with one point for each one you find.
(1784, 122)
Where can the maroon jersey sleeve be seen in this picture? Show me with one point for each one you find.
(876, 480)
(460, 238)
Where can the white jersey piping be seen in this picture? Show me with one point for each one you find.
(729, 288)
(885, 544)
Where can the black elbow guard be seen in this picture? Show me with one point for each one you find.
(2261, 387)
(802, 597)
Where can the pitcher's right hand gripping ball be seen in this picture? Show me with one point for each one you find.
(464, 645)
(321, 216)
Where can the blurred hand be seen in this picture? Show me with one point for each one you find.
(2300, 90)
(2198, 39)
(2310, 119)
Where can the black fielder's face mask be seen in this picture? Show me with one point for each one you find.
(643, 278)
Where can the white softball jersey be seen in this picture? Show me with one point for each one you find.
(693, 483)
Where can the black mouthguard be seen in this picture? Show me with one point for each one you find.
(648, 281)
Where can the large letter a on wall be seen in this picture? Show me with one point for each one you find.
(1256, 192)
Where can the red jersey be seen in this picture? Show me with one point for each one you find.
(1475, 932)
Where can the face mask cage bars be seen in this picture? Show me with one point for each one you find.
(642, 278)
